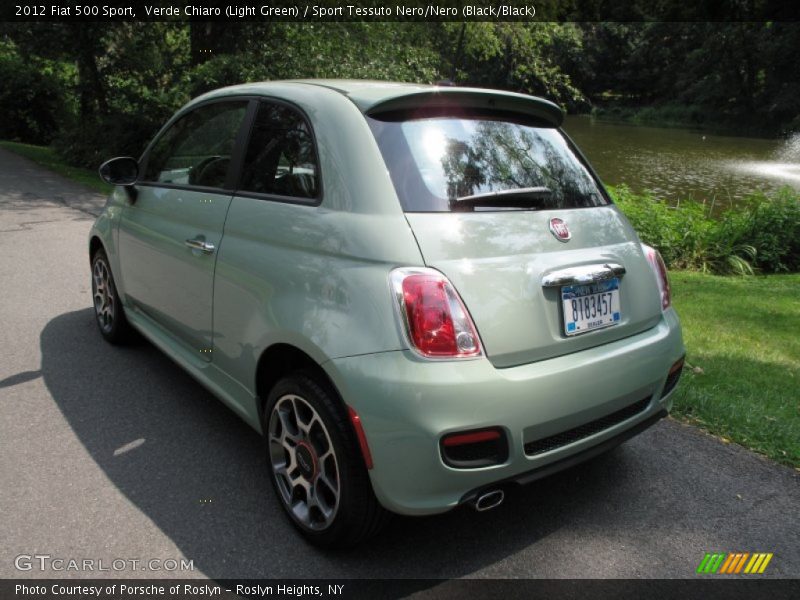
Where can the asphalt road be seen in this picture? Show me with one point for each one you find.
(109, 453)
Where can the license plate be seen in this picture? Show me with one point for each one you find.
(590, 306)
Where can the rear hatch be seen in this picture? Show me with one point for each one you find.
(505, 206)
(498, 263)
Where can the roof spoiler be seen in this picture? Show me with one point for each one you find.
(443, 97)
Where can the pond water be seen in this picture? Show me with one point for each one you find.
(682, 163)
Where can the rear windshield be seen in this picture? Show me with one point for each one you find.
(435, 161)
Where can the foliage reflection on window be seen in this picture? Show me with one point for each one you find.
(463, 157)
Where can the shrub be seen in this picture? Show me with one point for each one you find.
(761, 234)
(772, 226)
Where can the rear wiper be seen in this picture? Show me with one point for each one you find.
(516, 198)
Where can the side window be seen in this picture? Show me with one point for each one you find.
(281, 158)
(196, 150)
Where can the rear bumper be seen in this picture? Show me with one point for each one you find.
(407, 404)
(568, 461)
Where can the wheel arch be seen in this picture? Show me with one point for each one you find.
(278, 361)
(95, 244)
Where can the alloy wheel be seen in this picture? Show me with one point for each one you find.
(103, 294)
(304, 462)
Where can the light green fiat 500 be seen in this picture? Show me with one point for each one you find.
(422, 296)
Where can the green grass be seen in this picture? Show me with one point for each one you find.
(742, 337)
(48, 158)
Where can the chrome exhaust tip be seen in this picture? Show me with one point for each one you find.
(489, 500)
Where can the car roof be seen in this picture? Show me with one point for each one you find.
(375, 97)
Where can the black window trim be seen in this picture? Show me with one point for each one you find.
(237, 156)
(316, 201)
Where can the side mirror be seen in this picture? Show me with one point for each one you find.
(122, 170)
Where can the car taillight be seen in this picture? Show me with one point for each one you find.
(435, 319)
(660, 270)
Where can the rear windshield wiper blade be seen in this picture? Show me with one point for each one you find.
(517, 198)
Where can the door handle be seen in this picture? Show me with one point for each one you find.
(200, 244)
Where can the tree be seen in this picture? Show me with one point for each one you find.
(524, 57)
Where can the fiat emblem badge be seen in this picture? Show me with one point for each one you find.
(559, 229)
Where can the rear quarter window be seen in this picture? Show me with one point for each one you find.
(281, 158)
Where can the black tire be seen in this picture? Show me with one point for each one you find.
(357, 515)
(108, 310)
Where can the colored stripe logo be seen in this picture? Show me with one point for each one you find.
(734, 563)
